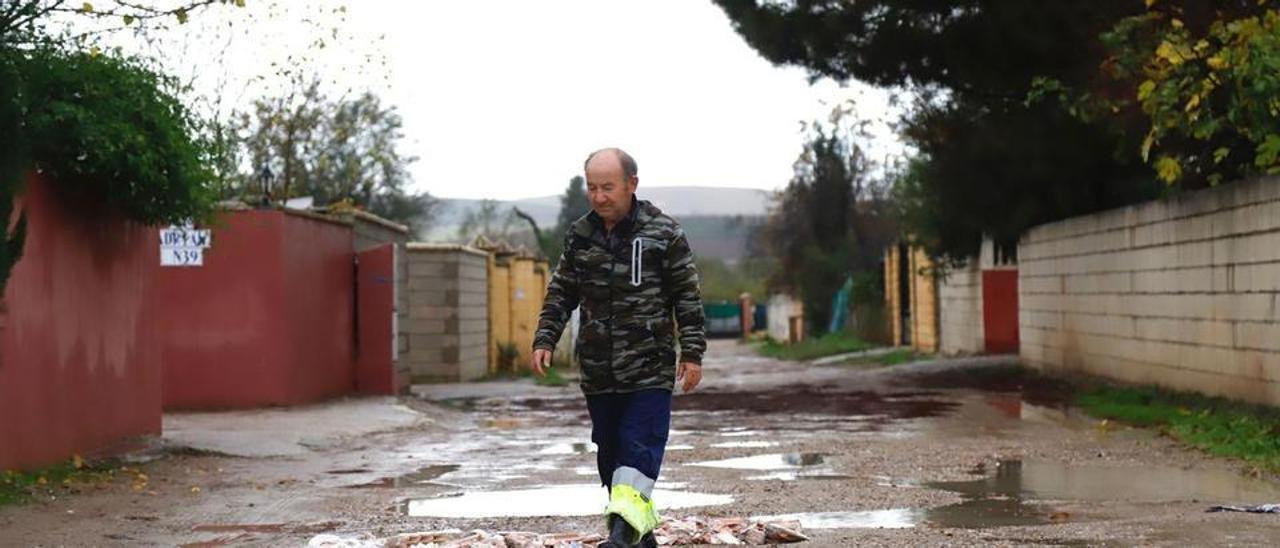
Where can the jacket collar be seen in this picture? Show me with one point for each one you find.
(634, 218)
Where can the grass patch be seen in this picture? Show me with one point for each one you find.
(1216, 425)
(22, 487)
(830, 344)
(553, 376)
(893, 357)
(898, 357)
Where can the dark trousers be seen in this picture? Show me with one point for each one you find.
(630, 430)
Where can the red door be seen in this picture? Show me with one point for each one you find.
(1000, 311)
(375, 296)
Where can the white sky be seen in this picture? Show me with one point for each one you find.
(504, 98)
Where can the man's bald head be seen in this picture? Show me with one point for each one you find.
(624, 160)
(611, 184)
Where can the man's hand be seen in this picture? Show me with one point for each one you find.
(689, 374)
(541, 358)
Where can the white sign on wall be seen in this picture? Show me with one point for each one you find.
(184, 245)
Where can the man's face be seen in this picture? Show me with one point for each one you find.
(609, 190)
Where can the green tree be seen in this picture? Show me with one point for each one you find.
(285, 135)
(27, 22)
(344, 151)
(989, 163)
(725, 282)
(830, 221)
(573, 205)
(13, 160)
(1201, 86)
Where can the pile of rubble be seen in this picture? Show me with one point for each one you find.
(672, 532)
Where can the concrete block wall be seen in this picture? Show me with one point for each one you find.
(369, 230)
(1182, 293)
(960, 293)
(448, 327)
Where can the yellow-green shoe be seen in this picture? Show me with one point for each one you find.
(630, 505)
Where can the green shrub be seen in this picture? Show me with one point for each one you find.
(105, 131)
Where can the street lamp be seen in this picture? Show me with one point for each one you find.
(265, 178)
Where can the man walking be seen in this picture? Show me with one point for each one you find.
(629, 267)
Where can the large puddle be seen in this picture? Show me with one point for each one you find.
(781, 466)
(416, 478)
(1057, 481)
(1022, 493)
(898, 518)
(573, 448)
(569, 500)
(745, 444)
(775, 461)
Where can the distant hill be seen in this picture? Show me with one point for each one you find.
(717, 220)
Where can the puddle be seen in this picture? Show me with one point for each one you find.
(245, 527)
(821, 474)
(741, 434)
(412, 479)
(900, 518)
(570, 500)
(1058, 481)
(966, 515)
(775, 461)
(349, 471)
(1033, 386)
(745, 444)
(811, 400)
(568, 449)
(781, 466)
(1019, 492)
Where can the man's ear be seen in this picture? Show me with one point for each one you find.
(635, 182)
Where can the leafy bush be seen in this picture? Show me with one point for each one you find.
(106, 131)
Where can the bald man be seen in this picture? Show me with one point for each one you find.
(629, 268)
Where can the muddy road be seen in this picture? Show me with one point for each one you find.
(953, 452)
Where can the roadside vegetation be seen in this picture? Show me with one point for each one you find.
(1215, 425)
(830, 344)
(510, 368)
(72, 476)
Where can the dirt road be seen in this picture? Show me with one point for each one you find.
(953, 452)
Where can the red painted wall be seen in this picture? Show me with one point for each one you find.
(267, 320)
(79, 367)
(1000, 310)
(376, 369)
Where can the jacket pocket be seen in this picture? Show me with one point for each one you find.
(661, 329)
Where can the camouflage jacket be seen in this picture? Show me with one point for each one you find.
(630, 283)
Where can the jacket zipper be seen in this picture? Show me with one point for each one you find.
(613, 270)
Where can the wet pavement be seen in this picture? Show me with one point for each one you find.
(958, 452)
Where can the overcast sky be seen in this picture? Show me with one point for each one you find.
(504, 98)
